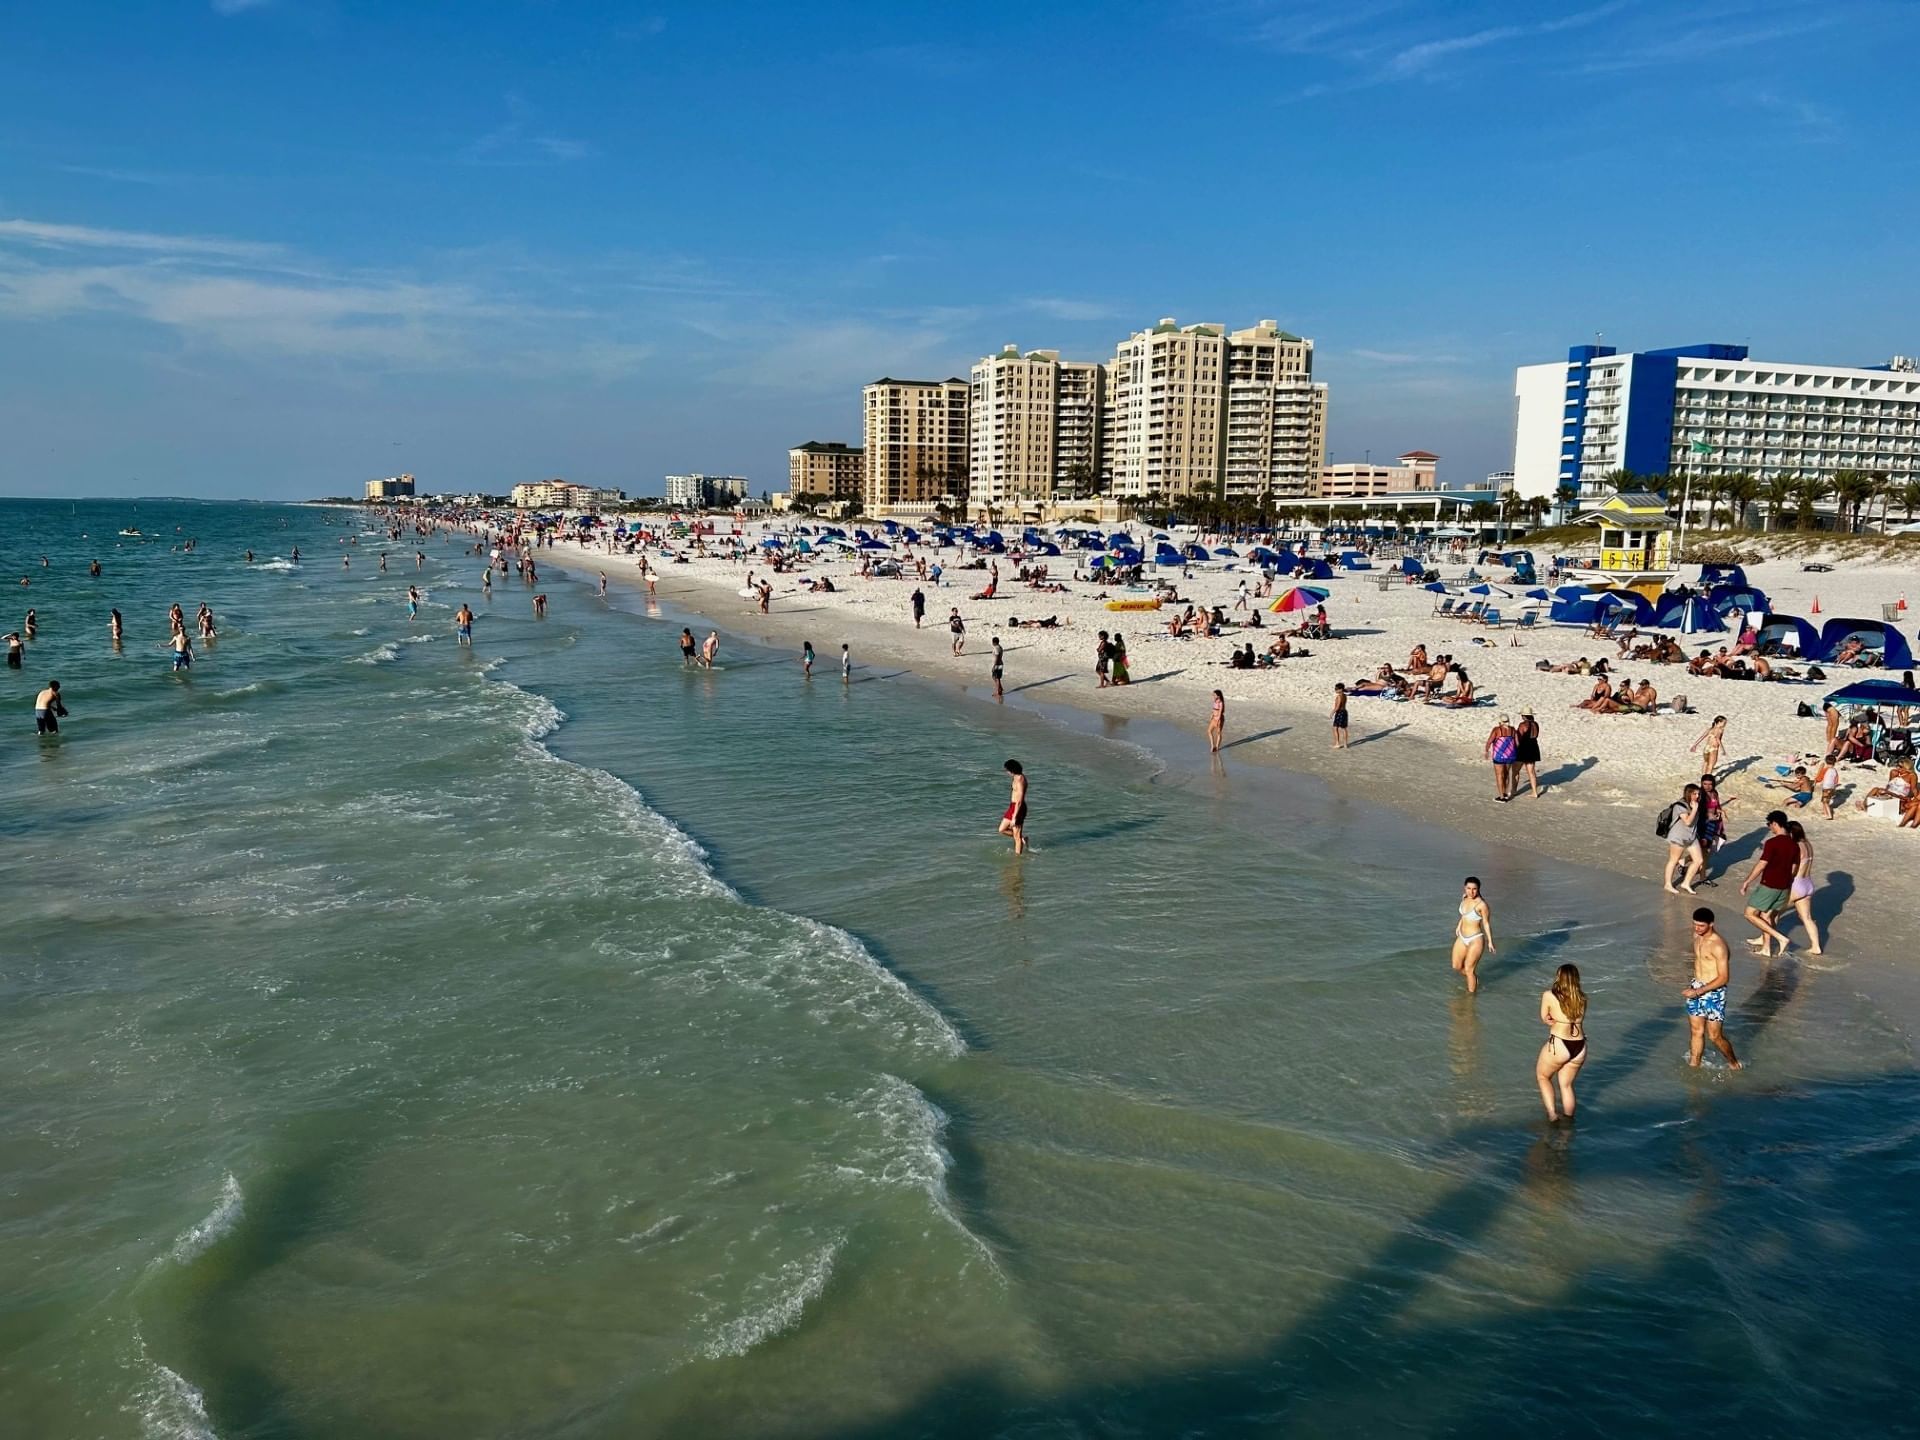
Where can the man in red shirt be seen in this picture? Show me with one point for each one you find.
(1769, 882)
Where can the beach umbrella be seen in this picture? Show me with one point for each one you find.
(1874, 692)
(1228, 551)
(1437, 587)
(873, 545)
(1538, 594)
(1485, 589)
(1300, 597)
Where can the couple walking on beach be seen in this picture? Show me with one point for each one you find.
(1514, 752)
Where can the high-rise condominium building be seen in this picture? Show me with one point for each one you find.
(1708, 409)
(1013, 425)
(916, 444)
(1034, 422)
(826, 468)
(1276, 415)
(1168, 412)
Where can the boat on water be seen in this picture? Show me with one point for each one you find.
(132, 532)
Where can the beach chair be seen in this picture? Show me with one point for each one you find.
(1470, 612)
(1490, 617)
(1527, 621)
(1445, 607)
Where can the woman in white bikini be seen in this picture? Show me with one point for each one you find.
(1801, 895)
(1473, 934)
(1563, 1010)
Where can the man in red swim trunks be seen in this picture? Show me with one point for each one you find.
(1014, 822)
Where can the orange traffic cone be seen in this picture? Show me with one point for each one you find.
(1816, 604)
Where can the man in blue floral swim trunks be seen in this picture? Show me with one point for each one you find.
(1706, 998)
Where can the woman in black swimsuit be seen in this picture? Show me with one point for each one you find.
(1563, 1010)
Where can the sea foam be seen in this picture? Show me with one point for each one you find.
(217, 1224)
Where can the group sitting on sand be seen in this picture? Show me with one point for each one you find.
(1728, 665)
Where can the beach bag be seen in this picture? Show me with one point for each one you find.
(1667, 816)
(1804, 711)
(1504, 749)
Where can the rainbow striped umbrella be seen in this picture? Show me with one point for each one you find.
(1300, 597)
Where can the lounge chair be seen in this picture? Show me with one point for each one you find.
(1470, 612)
(1445, 607)
(1527, 621)
(1490, 617)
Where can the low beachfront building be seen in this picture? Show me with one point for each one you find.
(1355, 479)
(705, 492)
(394, 487)
(564, 495)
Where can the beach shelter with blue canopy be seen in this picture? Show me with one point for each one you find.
(1895, 653)
(1712, 575)
(1411, 566)
(1595, 605)
(1874, 692)
(1692, 616)
(1738, 597)
(1789, 632)
(1305, 567)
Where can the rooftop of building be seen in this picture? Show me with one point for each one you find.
(889, 380)
(830, 447)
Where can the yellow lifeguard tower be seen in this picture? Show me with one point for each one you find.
(1636, 543)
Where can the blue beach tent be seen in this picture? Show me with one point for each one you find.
(1895, 653)
(1592, 606)
(1738, 597)
(1692, 616)
(1789, 632)
(1411, 566)
(1712, 575)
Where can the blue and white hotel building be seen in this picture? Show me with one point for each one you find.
(1650, 411)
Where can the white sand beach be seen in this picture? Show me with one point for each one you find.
(1605, 776)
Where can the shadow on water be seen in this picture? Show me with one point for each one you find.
(1108, 831)
(1554, 1362)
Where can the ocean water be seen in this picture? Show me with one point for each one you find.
(403, 1040)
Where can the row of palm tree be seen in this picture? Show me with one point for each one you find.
(1854, 493)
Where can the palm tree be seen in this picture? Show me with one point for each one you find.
(1851, 490)
(1079, 480)
(1742, 489)
(1808, 492)
(1715, 488)
(1779, 494)
(1910, 497)
(1567, 494)
(1622, 480)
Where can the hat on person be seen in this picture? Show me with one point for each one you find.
(1506, 719)
(1526, 714)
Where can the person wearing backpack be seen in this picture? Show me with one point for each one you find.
(1679, 826)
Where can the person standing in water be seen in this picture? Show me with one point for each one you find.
(846, 664)
(182, 649)
(15, 652)
(1563, 1010)
(486, 583)
(1706, 998)
(116, 627)
(686, 647)
(48, 710)
(1014, 822)
(709, 648)
(463, 622)
(603, 584)
(1217, 722)
(806, 659)
(999, 669)
(1472, 933)
(413, 602)
(1340, 723)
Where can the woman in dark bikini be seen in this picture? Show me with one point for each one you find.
(1563, 1010)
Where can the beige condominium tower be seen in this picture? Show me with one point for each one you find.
(1035, 428)
(826, 468)
(916, 444)
(1276, 416)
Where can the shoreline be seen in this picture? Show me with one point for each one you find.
(1584, 819)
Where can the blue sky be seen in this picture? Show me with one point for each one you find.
(274, 247)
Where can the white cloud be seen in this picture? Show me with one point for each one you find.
(1060, 308)
(51, 236)
(259, 300)
(521, 140)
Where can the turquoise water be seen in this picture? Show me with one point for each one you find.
(540, 1040)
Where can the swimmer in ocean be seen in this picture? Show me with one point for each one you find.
(117, 625)
(413, 602)
(15, 653)
(182, 649)
(1014, 822)
(686, 646)
(48, 710)
(709, 648)
(463, 618)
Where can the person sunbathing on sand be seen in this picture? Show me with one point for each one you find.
(1601, 701)
(1418, 659)
(1462, 696)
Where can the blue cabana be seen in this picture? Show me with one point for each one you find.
(1712, 575)
(1738, 597)
(1895, 653)
(1411, 566)
(1593, 606)
(1196, 553)
(1692, 616)
(1874, 692)
(1303, 567)
(1789, 632)
(871, 544)
(1120, 539)
(1354, 560)
(1165, 554)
